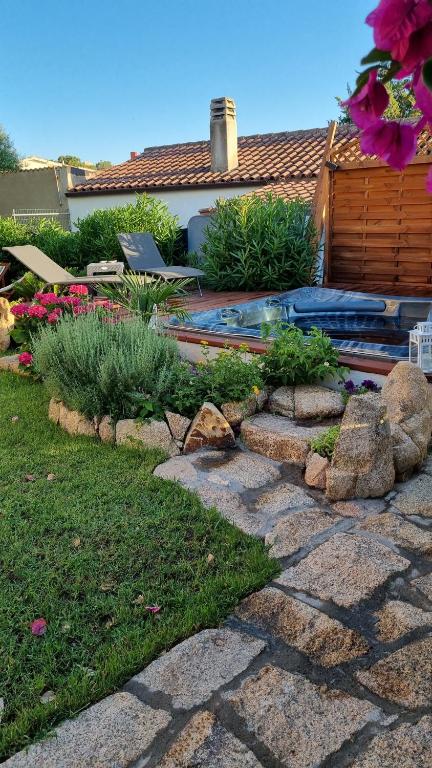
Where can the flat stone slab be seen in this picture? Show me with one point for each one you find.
(204, 742)
(179, 468)
(283, 498)
(111, 734)
(231, 506)
(345, 569)
(325, 640)
(198, 666)
(279, 438)
(397, 618)
(300, 723)
(399, 531)
(424, 584)
(404, 677)
(409, 746)
(359, 508)
(314, 402)
(293, 532)
(416, 497)
(250, 470)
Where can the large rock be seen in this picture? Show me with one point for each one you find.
(209, 428)
(54, 410)
(279, 438)
(6, 324)
(75, 423)
(151, 434)
(281, 401)
(236, 411)
(408, 399)
(362, 464)
(178, 424)
(106, 429)
(316, 470)
(313, 402)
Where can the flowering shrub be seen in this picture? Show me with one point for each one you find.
(403, 39)
(366, 386)
(48, 308)
(229, 377)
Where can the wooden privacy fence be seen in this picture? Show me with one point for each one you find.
(379, 226)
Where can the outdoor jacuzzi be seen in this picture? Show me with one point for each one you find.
(358, 323)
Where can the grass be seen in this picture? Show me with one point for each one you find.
(88, 551)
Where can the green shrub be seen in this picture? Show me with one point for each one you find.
(139, 297)
(260, 244)
(96, 366)
(229, 377)
(59, 244)
(294, 358)
(324, 444)
(98, 231)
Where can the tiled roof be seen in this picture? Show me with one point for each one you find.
(289, 190)
(263, 158)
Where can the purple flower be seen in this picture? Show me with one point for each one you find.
(370, 385)
(370, 102)
(395, 21)
(393, 142)
(349, 386)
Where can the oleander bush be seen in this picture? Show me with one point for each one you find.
(260, 244)
(97, 365)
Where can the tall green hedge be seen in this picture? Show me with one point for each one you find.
(260, 243)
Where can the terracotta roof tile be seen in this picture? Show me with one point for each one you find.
(263, 158)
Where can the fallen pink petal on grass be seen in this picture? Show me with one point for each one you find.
(153, 608)
(38, 627)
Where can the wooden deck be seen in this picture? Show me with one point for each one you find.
(215, 299)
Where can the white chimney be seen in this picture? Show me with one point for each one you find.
(223, 135)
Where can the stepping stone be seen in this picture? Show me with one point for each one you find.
(325, 640)
(178, 468)
(313, 402)
(279, 438)
(399, 531)
(404, 677)
(204, 742)
(397, 618)
(300, 723)
(295, 531)
(197, 667)
(114, 732)
(281, 402)
(424, 584)
(250, 470)
(229, 505)
(346, 569)
(284, 498)
(416, 497)
(409, 746)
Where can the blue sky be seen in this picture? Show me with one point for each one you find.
(99, 78)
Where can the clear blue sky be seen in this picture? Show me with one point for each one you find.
(99, 78)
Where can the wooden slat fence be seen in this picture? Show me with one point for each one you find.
(379, 229)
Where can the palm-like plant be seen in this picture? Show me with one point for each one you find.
(140, 294)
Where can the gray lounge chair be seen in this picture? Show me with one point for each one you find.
(142, 255)
(51, 273)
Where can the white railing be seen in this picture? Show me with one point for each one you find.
(29, 215)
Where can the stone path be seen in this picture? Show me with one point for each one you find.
(330, 665)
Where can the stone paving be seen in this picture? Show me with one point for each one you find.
(329, 666)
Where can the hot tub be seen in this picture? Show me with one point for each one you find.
(358, 323)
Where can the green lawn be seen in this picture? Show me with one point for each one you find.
(88, 551)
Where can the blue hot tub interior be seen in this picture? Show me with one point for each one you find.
(358, 323)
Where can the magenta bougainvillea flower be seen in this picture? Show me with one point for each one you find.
(79, 290)
(25, 358)
(37, 310)
(38, 627)
(153, 608)
(423, 95)
(395, 21)
(393, 142)
(370, 102)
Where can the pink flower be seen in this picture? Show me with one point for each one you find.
(25, 358)
(393, 142)
(37, 311)
(370, 102)
(54, 315)
(80, 290)
(74, 301)
(46, 298)
(153, 608)
(423, 95)
(38, 627)
(394, 21)
(20, 310)
(80, 310)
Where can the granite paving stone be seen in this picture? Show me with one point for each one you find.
(284, 498)
(301, 723)
(179, 468)
(397, 618)
(111, 734)
(192, 670)
(230, 505)
(400, 531)
(424, 584)
(408, 746)
(204, 743)
(250, 470)
(325, 640)
(404, 677)
(345, 569)
(415, 498)
(294, 531)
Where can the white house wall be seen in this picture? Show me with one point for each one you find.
(182, 203)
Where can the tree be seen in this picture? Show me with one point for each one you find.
(103, 164)
(9, 160)
(401, 104)
(69, 160)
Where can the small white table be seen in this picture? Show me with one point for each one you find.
(105, 268)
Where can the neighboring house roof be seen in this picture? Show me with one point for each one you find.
(291, 159)
(33, 162)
